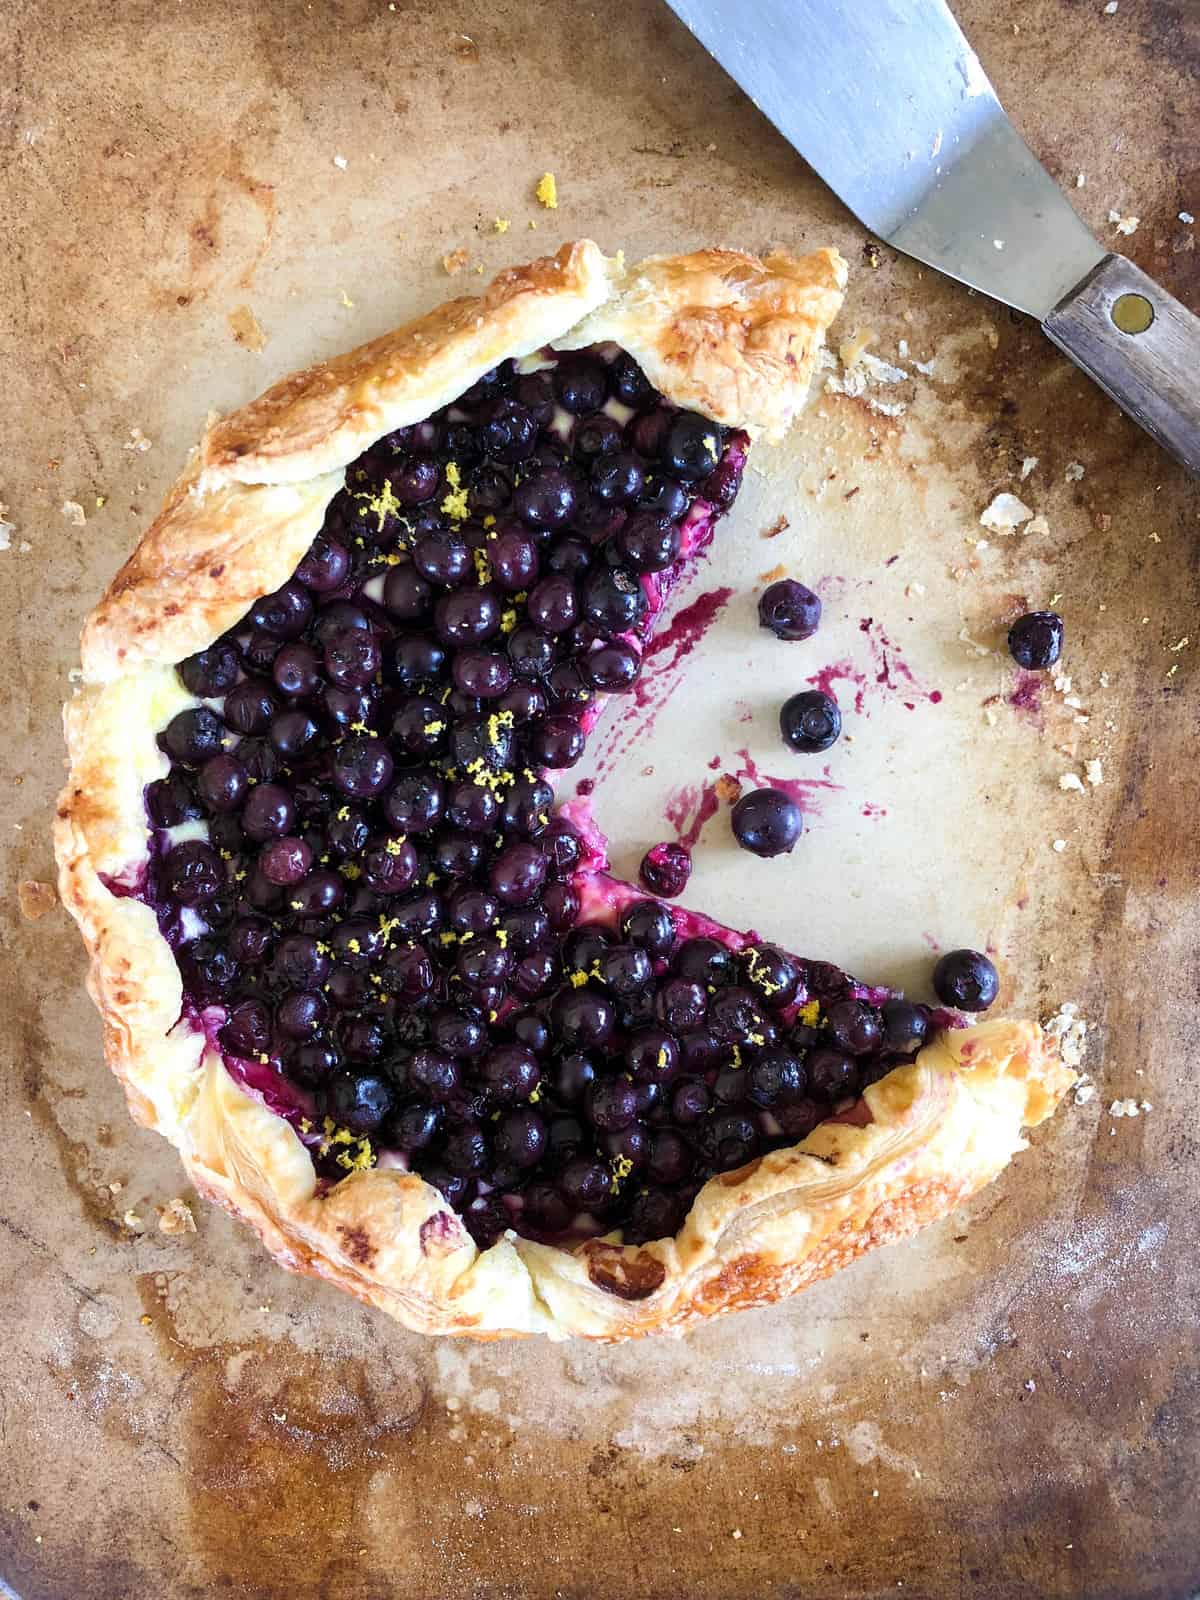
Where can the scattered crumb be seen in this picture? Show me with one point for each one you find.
(35, 899)
(1104, 680)
(851, 350)
(1186, 217)
(1074, 471)
(736, 1534)
(1058, 845)
(1070, 1029)
(1028, 466)
(1039, 525)
(1071, 781)
(546, 191)
(1110, 9)
(132, 1220)
(727, 788)
(1061, 683)
(1005, 514)
(1125, 225)
(137, 441)
(1084, 1092)
(340, 163)
(115, 1188)
(246, 328)
(1128, 1108)
(925, 367)
(780, 525)
(501, 225)
(1180, 644)
(1080, 180)
(1095, 773)
(775, 572)
(914, 591)
(346, 301)
(74, 513)
(176, 1217)
(1030, 1386)
(454, 262)
(997, 244)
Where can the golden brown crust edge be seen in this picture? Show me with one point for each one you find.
(940, 1129)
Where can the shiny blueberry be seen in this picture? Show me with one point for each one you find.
(767, 822)
(810, 721)
(966, 979)
(789, 610)
(1035, 640)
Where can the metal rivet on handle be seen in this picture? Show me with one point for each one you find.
(1132, 313)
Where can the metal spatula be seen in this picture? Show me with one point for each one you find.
(888, 102)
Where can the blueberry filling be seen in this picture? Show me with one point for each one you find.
(383, 931)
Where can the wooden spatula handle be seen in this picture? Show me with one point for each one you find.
(1141, 346)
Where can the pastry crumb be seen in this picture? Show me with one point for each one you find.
(1005, 514)
(1186, 218)
(1124, 225)
(1071, 782)
(137, 441)
(176, 1217)
(546, 191)
(1095, 773)
(1058, 846)
(1028, 465)
(247, 330)
(1039, 525)
(133, 1221)
(1084, 1092)
(1129, 1107)
(340, 163)
(1070, 1029)
(1080, 180)
(780, 525)
(914, 591)
(500, 224)
(35, 899)
(1075, 471)
(454, 261)
(74, 513)
(727, 788)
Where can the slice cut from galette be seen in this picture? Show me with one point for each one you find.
(350, 959)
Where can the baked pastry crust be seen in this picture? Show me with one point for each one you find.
(719, 332)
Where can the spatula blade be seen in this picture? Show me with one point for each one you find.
(890, 105)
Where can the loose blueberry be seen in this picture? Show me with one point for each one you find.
(810, 721)
(789, 610)
(1035, 640)
(966, 979)
(767, 822)
(665, 869)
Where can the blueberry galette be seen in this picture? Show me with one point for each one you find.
(352, 960)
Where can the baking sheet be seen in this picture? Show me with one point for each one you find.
(1007, 1405)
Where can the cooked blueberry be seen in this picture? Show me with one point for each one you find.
(650, 926)
(322, 891)
(831, 1075)
(555, 741)
(292, 733)
(597, 435)
(407, 595)
(465, 1150)
(612, 668)
(285, 861)
(966, 979)
(580, 384)
(416, 1127)
(325, 566)
(301, 1014)
(362, 766)
(170, 801)
(508, 430)
(249, 707)
(613, 599)
(284, 614)
(552, 606)
(681, 1005)
(417, 481)
(652, 1055)
(776, 1076)
(647, 543)
(1035, 640)
(415, 804)
(314, 1061)
(905, 1026)
(691, 1101)
(209, 967)
(247, 1030)
(517, 873)
(789, 610)
(513, 557)
(810, 721)
(617, 479)
(610, 1104)
(546, 499)
(773, 975)
(434, 1076)
(735, 1140)
(670, 1158)
(211, 672)
(656, 1214)
(582, 1017)
(510, 1073)
(583, 1183)
(222, 783)
(629, 383)
(692, 446)
(767, 822)
(467, 616)
(193, 737)
(665, 869)
(854, 1027)
(413, 660)
(192, 872)
(296, 670)
(705, 961)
